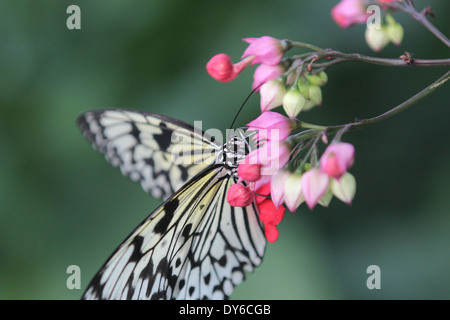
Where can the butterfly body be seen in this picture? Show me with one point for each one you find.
(195, 245)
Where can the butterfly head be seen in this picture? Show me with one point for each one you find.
(233, 152)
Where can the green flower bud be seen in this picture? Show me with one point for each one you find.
(293, 102)
(309, 105)
(314, 79)
(326, 198)
(377, 39)
(324, 77)
(395, 33)
(304, 90)
(315, 95)
(390, 19)
(345, 188)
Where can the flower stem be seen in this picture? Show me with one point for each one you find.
(409, 8)
(305, 125)
(404, 105)
(316, 129)
(343, 57)
(307, 46)
(339, 57)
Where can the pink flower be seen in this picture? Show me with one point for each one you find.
(337, 159)
(265, 73)
(249, 172)
(262, 182)
(239, 195)
(271, 126)
(272, 155)
(272, 93)
(314, 186)
(222, 69)
(384, 6)
(267, 50)
(349, 12)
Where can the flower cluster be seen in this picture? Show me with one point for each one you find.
(319, 184)
(278, 173)
(266, 171)
(350, 12)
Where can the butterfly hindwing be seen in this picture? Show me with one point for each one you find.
(159, 152)
(194, 246)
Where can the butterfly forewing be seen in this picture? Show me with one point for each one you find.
(159, 152)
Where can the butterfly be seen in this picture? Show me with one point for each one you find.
(194, 245)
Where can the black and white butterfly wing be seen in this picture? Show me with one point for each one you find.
(194, 246)
(159, 152)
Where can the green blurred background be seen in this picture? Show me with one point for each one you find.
(61, 204)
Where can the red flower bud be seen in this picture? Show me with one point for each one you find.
(239, 195)
(222, 69)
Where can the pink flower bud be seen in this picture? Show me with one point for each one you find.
(271, 126)
(239, 195)
(222, 69)
(337, 159)
(349, 12)
(267, 50)
(273, 155)
(265, 73)
(314, 186)
(249, 172)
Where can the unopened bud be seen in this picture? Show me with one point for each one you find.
(239, 195)
(314, 79)
(315, 95)
(395, 33)
(326, 199)
(345, 188)
(324, 77)
(377, 39)
(293, 196)
(293, 102)
(272, 93)
(303, 88)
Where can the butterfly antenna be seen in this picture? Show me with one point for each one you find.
(242, 106)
